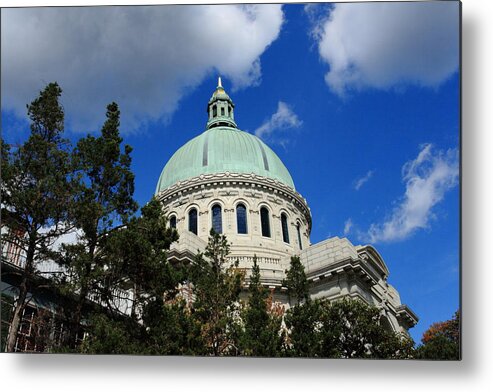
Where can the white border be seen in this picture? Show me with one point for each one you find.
(125, 373)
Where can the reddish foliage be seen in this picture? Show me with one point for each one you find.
(448, 329)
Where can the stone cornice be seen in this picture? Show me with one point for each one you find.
(360, 269)
(252, 180)
(346, 266)
(371, 255)
(407, 315)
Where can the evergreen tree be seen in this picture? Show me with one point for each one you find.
(216, 289)
(350, 328)
(261, 336)
(136, 260)
(296, 282)
(102, 201)
(111, 335)
(171, 329)
(36, 190)
(302, 318)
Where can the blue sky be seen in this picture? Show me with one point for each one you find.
(360, 103)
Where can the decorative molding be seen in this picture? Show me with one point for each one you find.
(252, 180)
(228, 192)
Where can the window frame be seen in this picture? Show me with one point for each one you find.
(196, 220)
(237, 218)
(172, 218)
(220, 217)
(285, 228)
(264, 208)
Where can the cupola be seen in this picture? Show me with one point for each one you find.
(220, 109)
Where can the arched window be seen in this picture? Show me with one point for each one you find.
(214, 111)
(217, 220)
(298, 229)
(222, 111)
(241, 219)
(264, 221)
(172, 222)
(192, 220)
(284, 226)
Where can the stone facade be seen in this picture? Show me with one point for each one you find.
(254, 192)
(335, 267)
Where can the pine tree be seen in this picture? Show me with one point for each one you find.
(302, 318)
(136, 259)
(296, 282)
(36, 191)
(102, 201)
(216, 288)
(262, 329)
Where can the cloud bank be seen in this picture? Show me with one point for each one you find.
(144, 58)
(427, 179)
(275, 128)
(382, 45)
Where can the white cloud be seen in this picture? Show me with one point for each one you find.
(358, 183)
(381, 45)
(427, 178)
(145, 58)
(274, 129)
(348, 226)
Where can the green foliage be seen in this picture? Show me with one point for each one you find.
(345, 328)
(302, 322)
(351, 329)
(261, 336)
(442, 340)
(36, 191)
(296, 281)
(106, 182)
(103, 198)
(301, 319)
(135, 260)
(135, 257)
(35, 176)
(112, 336)
(170, 329)
(216, 287)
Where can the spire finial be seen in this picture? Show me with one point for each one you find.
(220, 108)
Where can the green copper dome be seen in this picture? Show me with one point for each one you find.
(220, 150)
(223, 148)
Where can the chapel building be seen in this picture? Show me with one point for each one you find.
(230, 181)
